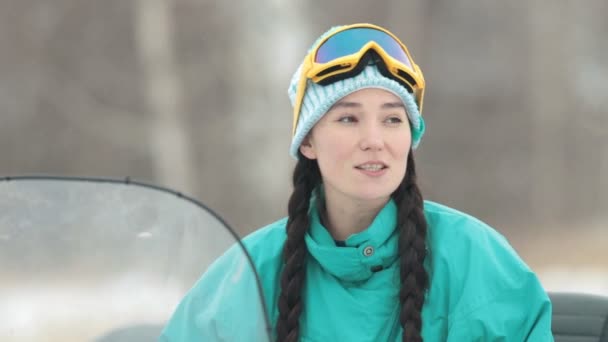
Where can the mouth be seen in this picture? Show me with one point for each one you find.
(372, 166)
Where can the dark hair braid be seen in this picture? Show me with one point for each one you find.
(306, 177)
(412, 252)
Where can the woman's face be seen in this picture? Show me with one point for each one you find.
(361, 145)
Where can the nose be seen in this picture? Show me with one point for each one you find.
(371, 137)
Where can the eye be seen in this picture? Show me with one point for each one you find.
(347, 119)
(394, 120)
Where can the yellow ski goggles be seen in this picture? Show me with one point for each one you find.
(345, 53)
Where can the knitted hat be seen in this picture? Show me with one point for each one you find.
(318, 99)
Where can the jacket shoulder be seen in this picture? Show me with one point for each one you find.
(265, 244)
(449, 228)
(227, 292)
(475, 260)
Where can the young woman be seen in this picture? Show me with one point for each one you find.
(361, 256)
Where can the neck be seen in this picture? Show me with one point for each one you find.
(345, 218)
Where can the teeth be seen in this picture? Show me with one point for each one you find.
(371, 167)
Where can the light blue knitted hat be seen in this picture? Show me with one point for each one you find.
(318, 99)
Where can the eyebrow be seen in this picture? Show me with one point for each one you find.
(347, 104)
(389, 105)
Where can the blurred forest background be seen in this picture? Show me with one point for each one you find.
(192, 95)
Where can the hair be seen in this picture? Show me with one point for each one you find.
(412, 251)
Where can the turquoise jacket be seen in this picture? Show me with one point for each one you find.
(480, 289)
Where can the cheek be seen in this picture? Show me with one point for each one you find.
(402, 143)
(335, 148)
(405, 146)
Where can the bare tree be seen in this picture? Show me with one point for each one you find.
(169, 138)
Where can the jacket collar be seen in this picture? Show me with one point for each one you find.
(373, 249)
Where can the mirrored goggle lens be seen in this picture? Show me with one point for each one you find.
(350, 41)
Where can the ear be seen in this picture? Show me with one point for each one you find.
(307, 148)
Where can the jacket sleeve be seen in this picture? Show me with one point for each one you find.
(224, 305)
(518, 314)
